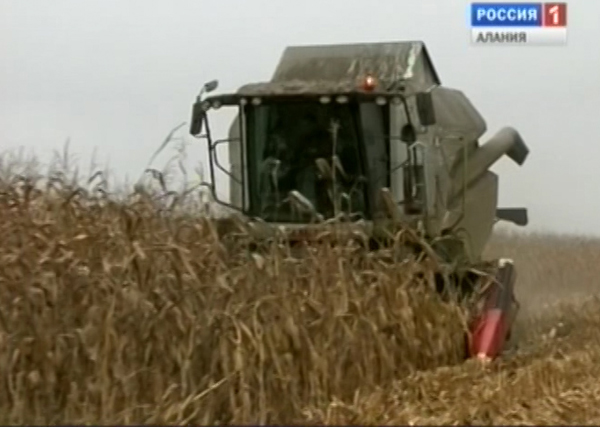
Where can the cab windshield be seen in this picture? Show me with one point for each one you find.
(306, 146)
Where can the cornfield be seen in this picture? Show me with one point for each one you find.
(117, 312)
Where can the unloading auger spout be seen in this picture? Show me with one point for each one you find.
(507, 141)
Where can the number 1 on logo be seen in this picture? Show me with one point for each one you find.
(555, 14)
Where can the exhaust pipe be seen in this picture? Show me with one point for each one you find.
(506, 141)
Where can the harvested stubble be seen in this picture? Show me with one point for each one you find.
(554, 381)
(114, 313)
(552, 377)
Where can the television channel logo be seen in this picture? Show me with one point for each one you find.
(538, 24)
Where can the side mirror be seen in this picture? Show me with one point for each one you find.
(198, 113)
(198, 118)
(209, 87)
(425, 109)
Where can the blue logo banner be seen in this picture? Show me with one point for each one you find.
(506, 14)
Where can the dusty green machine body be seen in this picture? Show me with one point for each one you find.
(363, 134)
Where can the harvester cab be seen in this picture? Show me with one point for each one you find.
(363, 133)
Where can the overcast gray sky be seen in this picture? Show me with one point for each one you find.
(118, 75)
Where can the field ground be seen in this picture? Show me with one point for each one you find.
(112, 314)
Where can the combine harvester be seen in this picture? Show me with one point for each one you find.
(365, 135)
